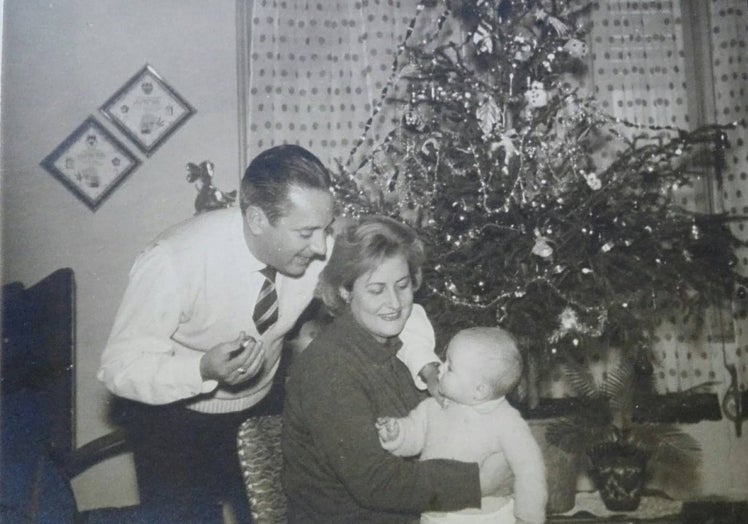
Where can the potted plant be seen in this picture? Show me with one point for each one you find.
(622, 454)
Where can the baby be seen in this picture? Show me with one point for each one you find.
(482, 365)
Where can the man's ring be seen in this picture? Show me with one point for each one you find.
(241, 371)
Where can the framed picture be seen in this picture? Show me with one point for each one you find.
(147, 109)
(91, 162)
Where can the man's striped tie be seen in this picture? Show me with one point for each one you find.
(266, 308)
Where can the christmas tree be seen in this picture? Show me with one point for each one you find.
(494, 159)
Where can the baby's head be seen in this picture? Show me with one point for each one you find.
(481, 364)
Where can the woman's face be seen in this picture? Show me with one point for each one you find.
(381, 300)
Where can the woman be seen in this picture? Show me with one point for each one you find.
(335, 469)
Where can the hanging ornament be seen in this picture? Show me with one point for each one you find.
(568, 322)
(568, 319)
(431, 146)
(506, 142)
(482, 38)
(524, 48)
(695, 232)
(413, 121)
(536, 96)
(561, 28)
(489, 114)
(542, 247)
(592, 180)
(575, 48)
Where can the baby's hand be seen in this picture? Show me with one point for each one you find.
(388, 428)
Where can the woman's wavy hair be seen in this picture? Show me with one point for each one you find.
(360, 248)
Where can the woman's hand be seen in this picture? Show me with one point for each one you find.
(496, 476)
(430, 376)
(233, 362)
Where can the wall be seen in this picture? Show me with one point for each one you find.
(62, 59)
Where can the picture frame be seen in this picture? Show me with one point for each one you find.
(147, 109)
(91, 162)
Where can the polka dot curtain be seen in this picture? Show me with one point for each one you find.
(729, 44)
(316, 69)
(642, 70)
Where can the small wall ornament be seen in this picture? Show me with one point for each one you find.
(91, 162)
(209, 197)
(147, 109)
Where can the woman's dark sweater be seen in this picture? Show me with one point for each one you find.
(335, 470)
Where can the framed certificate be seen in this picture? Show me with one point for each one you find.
(91, 162)
(147, 109)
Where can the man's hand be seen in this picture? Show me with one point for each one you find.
(388, 428)
(430, 375)
(496, 476)
(233, 362)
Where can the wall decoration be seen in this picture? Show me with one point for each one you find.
(208, 197)
(147, 109)
(91, 162)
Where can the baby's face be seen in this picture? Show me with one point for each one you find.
(459, 375)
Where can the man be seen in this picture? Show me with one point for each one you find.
(193, 345)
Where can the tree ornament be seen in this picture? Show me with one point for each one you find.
(524, 48)
(575, 48)
(482, 38)
(561, 28)
(431, 146)
(489, 114)
(542, 248)
(506, 142)
(413, 121)
(592, 180)
(695, 233)
(536, 96)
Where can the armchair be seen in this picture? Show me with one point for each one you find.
(39, 453)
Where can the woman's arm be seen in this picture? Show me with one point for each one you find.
(341, 415)
(418, 341)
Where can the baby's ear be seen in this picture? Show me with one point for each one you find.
(482, 391)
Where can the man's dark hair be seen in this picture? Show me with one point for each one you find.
(273, 172)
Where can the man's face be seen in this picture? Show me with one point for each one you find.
(382, 299)
(300, 235)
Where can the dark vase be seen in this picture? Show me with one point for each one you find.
(619, 472)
